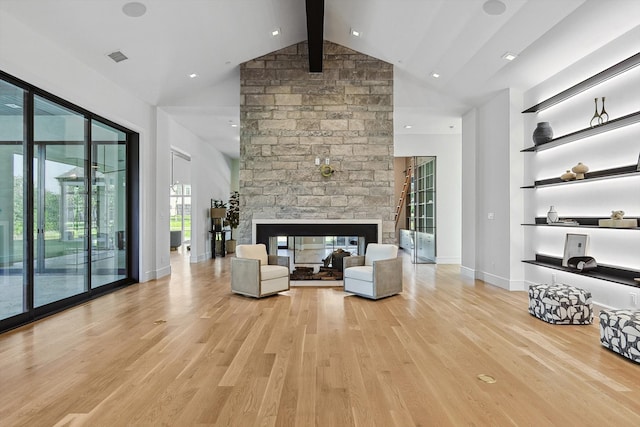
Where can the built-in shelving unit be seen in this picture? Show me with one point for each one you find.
(620, 122)
(615, 274)
(603, 272)
(582, 222)
(592, 81)
(589, 176)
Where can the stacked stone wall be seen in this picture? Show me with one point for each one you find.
(289, 117)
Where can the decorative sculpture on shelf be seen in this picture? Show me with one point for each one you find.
(568, 176)
(617, 220)
(580, 170)
(617, 214)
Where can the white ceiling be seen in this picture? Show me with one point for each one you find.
(456, 38)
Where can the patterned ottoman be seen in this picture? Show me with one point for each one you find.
(620, 332)
(561, 304)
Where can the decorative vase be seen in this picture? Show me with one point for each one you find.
(604, 116)
(542, 133)
(568, 176)
(552, 215)
(580, 170)
(596, 116)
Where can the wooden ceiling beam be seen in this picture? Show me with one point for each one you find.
(315, 34)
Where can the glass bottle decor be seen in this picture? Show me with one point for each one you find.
(604, 116)
(552, 215)
(596, 116)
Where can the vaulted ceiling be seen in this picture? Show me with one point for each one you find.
(455, 38)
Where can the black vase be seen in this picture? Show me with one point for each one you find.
(543, 133)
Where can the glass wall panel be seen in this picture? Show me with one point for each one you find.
(108, 205)
(421, 212)
(12, 196)
(60, 203)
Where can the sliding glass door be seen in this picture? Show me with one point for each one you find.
(67, 204)
(108, 205)
(12, 195)
(60, 203)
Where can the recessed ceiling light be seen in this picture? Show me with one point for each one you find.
(494, 7)
(408, 126)
(134, 9)
(509, 56)
(233, 125)
(193, 75)
(435, 75)
(275, 32)
(355, 33)
(12, 105)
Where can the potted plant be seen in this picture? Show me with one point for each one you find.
(233, 219)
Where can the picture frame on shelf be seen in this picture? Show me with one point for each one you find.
(575, 245)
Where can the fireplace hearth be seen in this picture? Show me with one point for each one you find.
(308, 273)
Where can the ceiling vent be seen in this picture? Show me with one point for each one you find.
(117, 56)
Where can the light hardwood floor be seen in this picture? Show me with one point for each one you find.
(184, 351)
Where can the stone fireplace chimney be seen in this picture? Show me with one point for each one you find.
(294, 124)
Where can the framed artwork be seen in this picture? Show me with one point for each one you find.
(574, 245)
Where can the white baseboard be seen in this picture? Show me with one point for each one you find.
(517, 285)
(467, 272)
(494, 280)
(447, 260)
(156, 274)
(194, 259)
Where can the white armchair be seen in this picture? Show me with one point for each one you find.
(377, 274)
(257, 274)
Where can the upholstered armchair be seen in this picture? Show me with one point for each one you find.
(377, 274)
(257, 274)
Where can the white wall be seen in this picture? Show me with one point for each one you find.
(448, 152)
(28, 56)
(470, 216)
(491, 141)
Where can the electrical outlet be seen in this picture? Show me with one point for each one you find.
(634, 298)
(491, 215)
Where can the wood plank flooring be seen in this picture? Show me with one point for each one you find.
(184, 351)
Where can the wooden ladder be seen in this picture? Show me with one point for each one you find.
(403, 194)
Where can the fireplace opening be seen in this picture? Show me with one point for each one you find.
(318, 257)
(316, 250)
